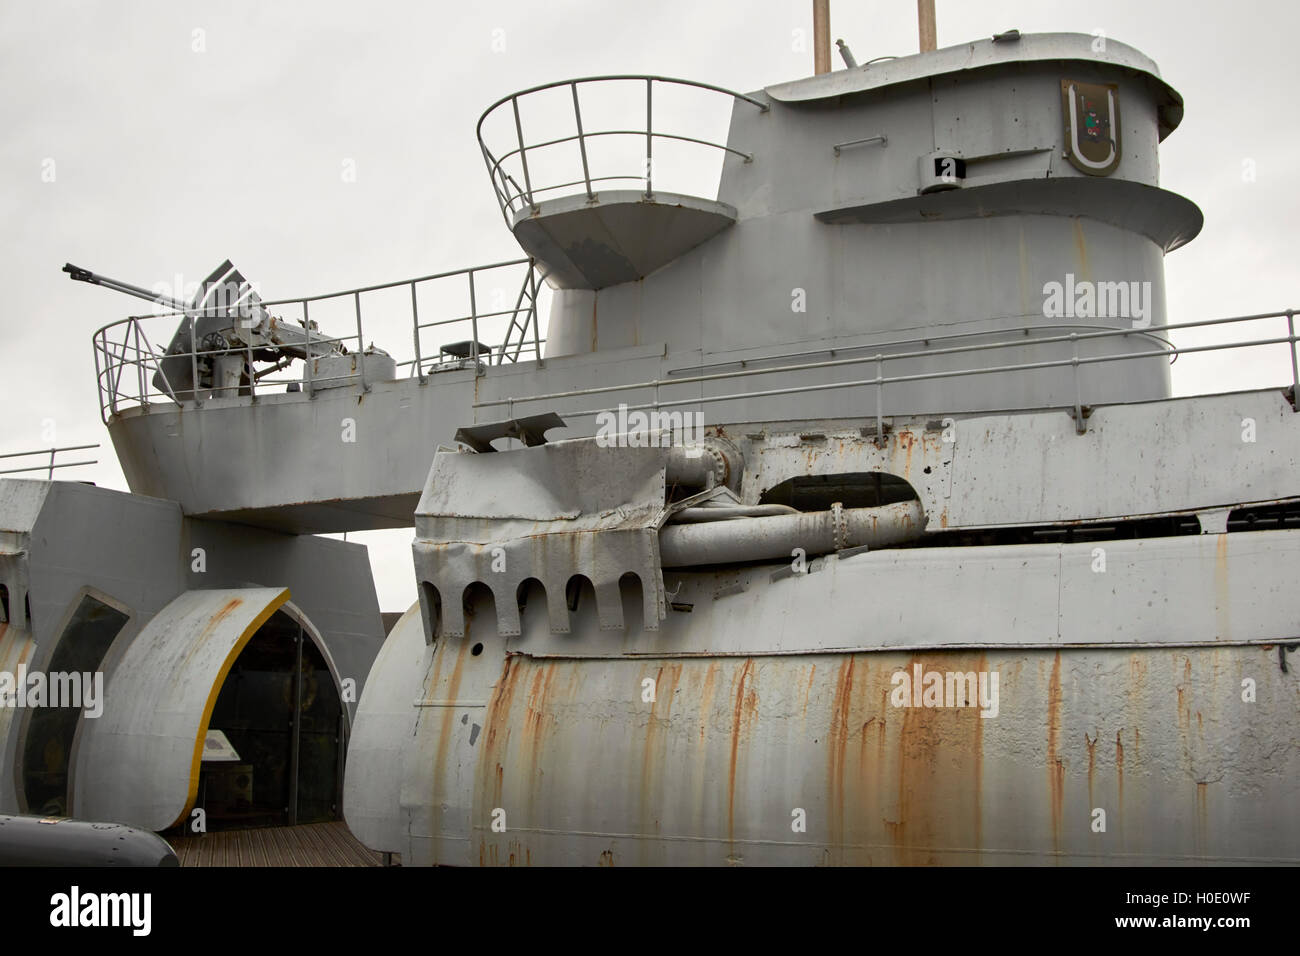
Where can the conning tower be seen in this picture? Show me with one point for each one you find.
(878, 207)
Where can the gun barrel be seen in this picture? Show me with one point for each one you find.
(77, 274)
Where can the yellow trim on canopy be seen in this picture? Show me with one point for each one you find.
(263, 616)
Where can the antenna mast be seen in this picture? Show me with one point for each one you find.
(821, 36)
(925, 24)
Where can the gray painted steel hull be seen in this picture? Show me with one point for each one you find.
(714, 773)
(790, 704)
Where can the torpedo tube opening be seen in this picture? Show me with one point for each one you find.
(858, 489)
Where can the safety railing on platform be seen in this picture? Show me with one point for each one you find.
(48, 463)
(532, 168)
(878, 357)
(215, 354)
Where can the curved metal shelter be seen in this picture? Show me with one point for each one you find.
(16, 649)
(139, 763)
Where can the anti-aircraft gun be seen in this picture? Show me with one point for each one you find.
(223, 332)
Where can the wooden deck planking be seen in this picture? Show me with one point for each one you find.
(311, 844)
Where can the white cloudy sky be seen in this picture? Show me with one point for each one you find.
(167, 160)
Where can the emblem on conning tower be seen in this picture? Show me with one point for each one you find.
(1091, 112)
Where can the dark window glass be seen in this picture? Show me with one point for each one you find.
(270, 784)
(80, 651)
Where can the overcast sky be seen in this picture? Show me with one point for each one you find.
(144, 140)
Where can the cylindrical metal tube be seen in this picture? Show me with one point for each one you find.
(847, 54)
(926, 25)
(730, 513)
(758, 539)
(705, 464)
(58, 841)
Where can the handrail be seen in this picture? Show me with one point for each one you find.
(923, 339)
(513, 198)
(880, 379)
(49, 466)
(124, 351)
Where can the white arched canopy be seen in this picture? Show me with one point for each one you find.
(138, 763)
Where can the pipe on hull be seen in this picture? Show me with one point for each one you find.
(776, 536)
(704, 464)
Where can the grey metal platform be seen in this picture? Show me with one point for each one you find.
(618, 236)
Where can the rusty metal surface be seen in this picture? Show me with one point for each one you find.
(975, 471)
(386, 718)
(772, 695)
(712, 771)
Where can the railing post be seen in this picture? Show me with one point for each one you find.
(252, 378)
(649, 140)
(473, 323)
(532, 311)
(523, 153)
(361, 344)
(493, 174)
(51, 474)
(158, 369)
(1295, 372)
(112, 388)
(582, 143)
(99, 380)
(306, 322)
(139, 366)
(194, 359)
(415, 331)
(120, 356)
(880, 399)
(1079, 426)
(515, 323)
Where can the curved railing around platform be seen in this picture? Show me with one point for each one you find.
(498, 326)
(517, 180)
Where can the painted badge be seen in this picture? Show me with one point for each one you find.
(1091, 112)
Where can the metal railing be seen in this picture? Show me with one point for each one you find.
(48, 466)
(514, 198)
(132, 370)
(880, 358)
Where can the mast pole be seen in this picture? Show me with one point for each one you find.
(821, 36)
(925, 24)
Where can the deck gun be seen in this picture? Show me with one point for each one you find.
(222, 332)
